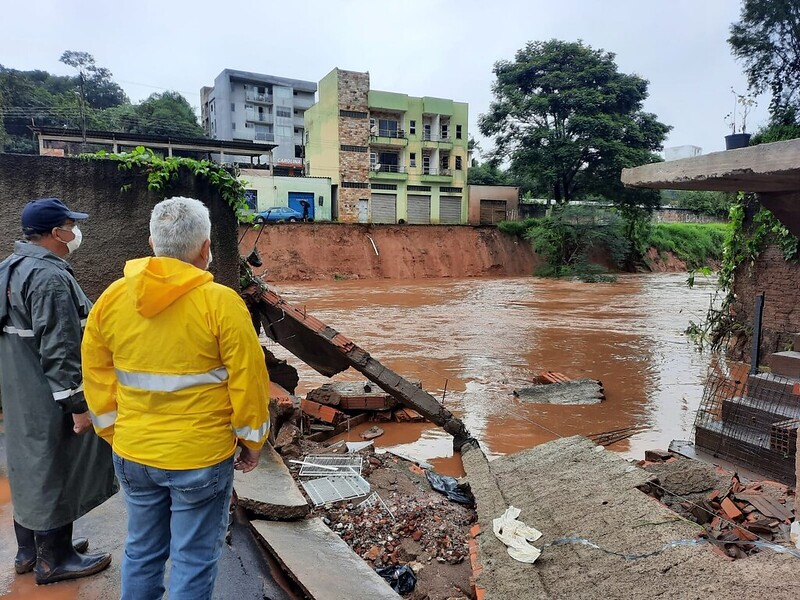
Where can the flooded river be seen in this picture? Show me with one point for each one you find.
(484, 338)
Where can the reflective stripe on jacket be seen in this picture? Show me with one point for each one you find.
(173, 370)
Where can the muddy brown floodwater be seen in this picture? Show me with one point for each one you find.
(483, 338)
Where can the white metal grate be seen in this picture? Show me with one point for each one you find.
(326, 490)
(328, 465)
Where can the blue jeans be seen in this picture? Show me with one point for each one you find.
(181, 515)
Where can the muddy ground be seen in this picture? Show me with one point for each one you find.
(425, 530)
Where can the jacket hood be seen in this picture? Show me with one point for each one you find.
(154, 283)
(22, 250)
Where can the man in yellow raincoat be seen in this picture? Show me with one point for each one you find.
(175, 380)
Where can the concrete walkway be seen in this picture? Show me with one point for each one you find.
(246, 572)
(567, 488)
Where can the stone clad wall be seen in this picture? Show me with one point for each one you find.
(118, 228)
(353, 93)
(780, 282)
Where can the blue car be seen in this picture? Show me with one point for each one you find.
(277, 213)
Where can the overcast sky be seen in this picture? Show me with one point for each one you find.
(442, 48)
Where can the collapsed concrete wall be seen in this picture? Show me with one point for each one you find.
(118, 229)
(779, 280)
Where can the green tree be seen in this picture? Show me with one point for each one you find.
(767, 40)
(784, 124)
(716, 204)
(167, 113)
(487, 173)
(567, 118)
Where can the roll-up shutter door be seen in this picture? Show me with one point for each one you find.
(450, 209)
(384, 208)
(419, 210)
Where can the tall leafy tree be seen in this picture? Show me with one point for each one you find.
(167, 113)
(767, 40)
(564, 116)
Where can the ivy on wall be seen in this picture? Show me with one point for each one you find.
(743, 245)
(163, 172)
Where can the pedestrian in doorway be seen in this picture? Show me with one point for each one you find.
(58, 469)
(175, 379)
(305, 204)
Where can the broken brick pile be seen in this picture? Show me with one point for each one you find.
(735, 513)
(335, 404)
(424, 526)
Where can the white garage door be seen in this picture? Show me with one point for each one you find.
(384, 208)
(419, 210)
(450, 209)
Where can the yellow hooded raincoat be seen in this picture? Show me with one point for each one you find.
(174, 374)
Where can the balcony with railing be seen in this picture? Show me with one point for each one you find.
(388, 171)
(264, 137)
(254, 96)
(388, 137)
(438, 174)
(258, 117)
(437, 139)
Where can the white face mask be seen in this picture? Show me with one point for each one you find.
(210, 258)
(75, 242)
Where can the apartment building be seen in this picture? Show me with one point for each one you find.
(260, 108)
(392, 158)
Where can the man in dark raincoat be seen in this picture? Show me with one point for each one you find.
(57, 468)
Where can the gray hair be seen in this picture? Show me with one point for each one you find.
(179, 226)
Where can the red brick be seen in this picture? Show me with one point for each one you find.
(732, 512)
(322, 412)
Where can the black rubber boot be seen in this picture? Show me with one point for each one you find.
(56, 559)
(26, 548)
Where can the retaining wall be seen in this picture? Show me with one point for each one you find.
(118, 228)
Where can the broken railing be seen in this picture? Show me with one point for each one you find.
(329, 352)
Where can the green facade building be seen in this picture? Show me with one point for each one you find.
(392, 158)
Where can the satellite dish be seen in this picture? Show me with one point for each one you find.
(377, 167)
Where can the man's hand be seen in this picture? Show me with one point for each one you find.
(82, 422)
(247, 459)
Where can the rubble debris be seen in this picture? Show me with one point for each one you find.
(606, 438)
(732, 511)
(321, 412)
(407, 415)
(348, 395)
(657, 455)
(346, 425)
(269, 491)
(280, 372)
(372, 433)
(450, 487)
(400, 578)
(550, 377)
(578, 391)
(342, 574)
(329, 352)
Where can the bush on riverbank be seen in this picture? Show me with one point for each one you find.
(694, 243)
(574, 238)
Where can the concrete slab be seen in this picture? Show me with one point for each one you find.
(764, 168)
(269, 491)
(321, 563)
(568, 488)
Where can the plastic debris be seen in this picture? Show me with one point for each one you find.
(516, 535)
(794, 533)
(401, 578)
(450, 488)
(353, 447)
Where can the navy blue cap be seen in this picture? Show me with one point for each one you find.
(40, 216)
